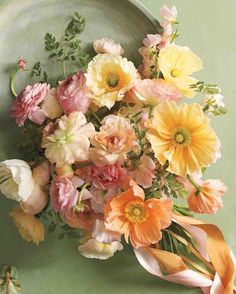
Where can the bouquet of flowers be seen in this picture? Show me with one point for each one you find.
(115, 151)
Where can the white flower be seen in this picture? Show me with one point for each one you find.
(51, 107)
(109, 77)
(105, 45)
(16, 180)
(214, 101)
(103, 243)
(67, 140)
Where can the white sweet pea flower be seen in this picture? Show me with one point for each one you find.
(103, 243)
(16, 180)
(105, 45)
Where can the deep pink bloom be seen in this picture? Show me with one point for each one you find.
(21, 64)
(106, 177)
(63, 194)
(73, 94)
(26, 104)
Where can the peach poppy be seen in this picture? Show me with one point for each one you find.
(139, 220)
(208, 198)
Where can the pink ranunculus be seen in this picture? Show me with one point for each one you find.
(26, 104)
(63, 194)
(154, 91)
(106, 177)
(73, 94)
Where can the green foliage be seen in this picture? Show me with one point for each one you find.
(202, 87)
(9, 280)
(37, 71)
(69, 48)
(174, 187)
(57, 225)
(29, 142)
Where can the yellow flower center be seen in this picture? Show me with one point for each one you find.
(135, 212)
(113, 78)
(181, 136)
(175, 73)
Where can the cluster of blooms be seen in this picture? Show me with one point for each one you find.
(119, 148)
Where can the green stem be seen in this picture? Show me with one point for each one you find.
(82, 192)
(12, 80)
(64, 68)
(150, 111)
(191, 180)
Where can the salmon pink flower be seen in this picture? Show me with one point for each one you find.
(73, 94)
(207, 197)
(154, 91)
(139, 220)
(105, 45)
(26, 104)
(115, 138)
(106, 177)
(144, 172)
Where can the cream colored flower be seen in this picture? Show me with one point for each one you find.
(105, 45)
(103, 243)
(30, 228)
(16, 180)
(51, 107)
(67, 140)
(177, 64)
(109, 77)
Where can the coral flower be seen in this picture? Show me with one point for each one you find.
(109, 77)
(182, 135)
(207, 199)
(177, 64)
(139, 220)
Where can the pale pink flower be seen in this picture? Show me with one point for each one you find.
(154, 91)
(105, 45)
(149, 62)
(106, 177)
(115, 138)
(21, 64)
(152, 40)
(169, 14)
(64, 195)
(73, 94)
(144, 173)
(26, 104)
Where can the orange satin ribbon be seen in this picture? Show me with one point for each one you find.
(217, 250)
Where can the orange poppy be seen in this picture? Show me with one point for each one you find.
(139, 220)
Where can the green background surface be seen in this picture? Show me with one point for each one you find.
(208, 27)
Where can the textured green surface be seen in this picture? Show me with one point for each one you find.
(208, 28)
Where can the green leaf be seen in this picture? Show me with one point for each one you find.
(177, 189)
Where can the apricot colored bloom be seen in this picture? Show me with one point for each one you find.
(105, 45)
(73, 94)
(182, 135)
(102, 244)
(177, 64)
(109, 77)
(115, 138)
(67, 140)
(30, 227)
(26, 104)
(207, 198)
(50, 106)
(144, 172)
(139, 220)
(153, 91)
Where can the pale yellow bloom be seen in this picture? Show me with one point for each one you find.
(109, 77)
(182, 135)
(50, 106)
(67, 140)
(30, 228)
(177, 64)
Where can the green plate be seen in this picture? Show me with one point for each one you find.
(56, 266)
